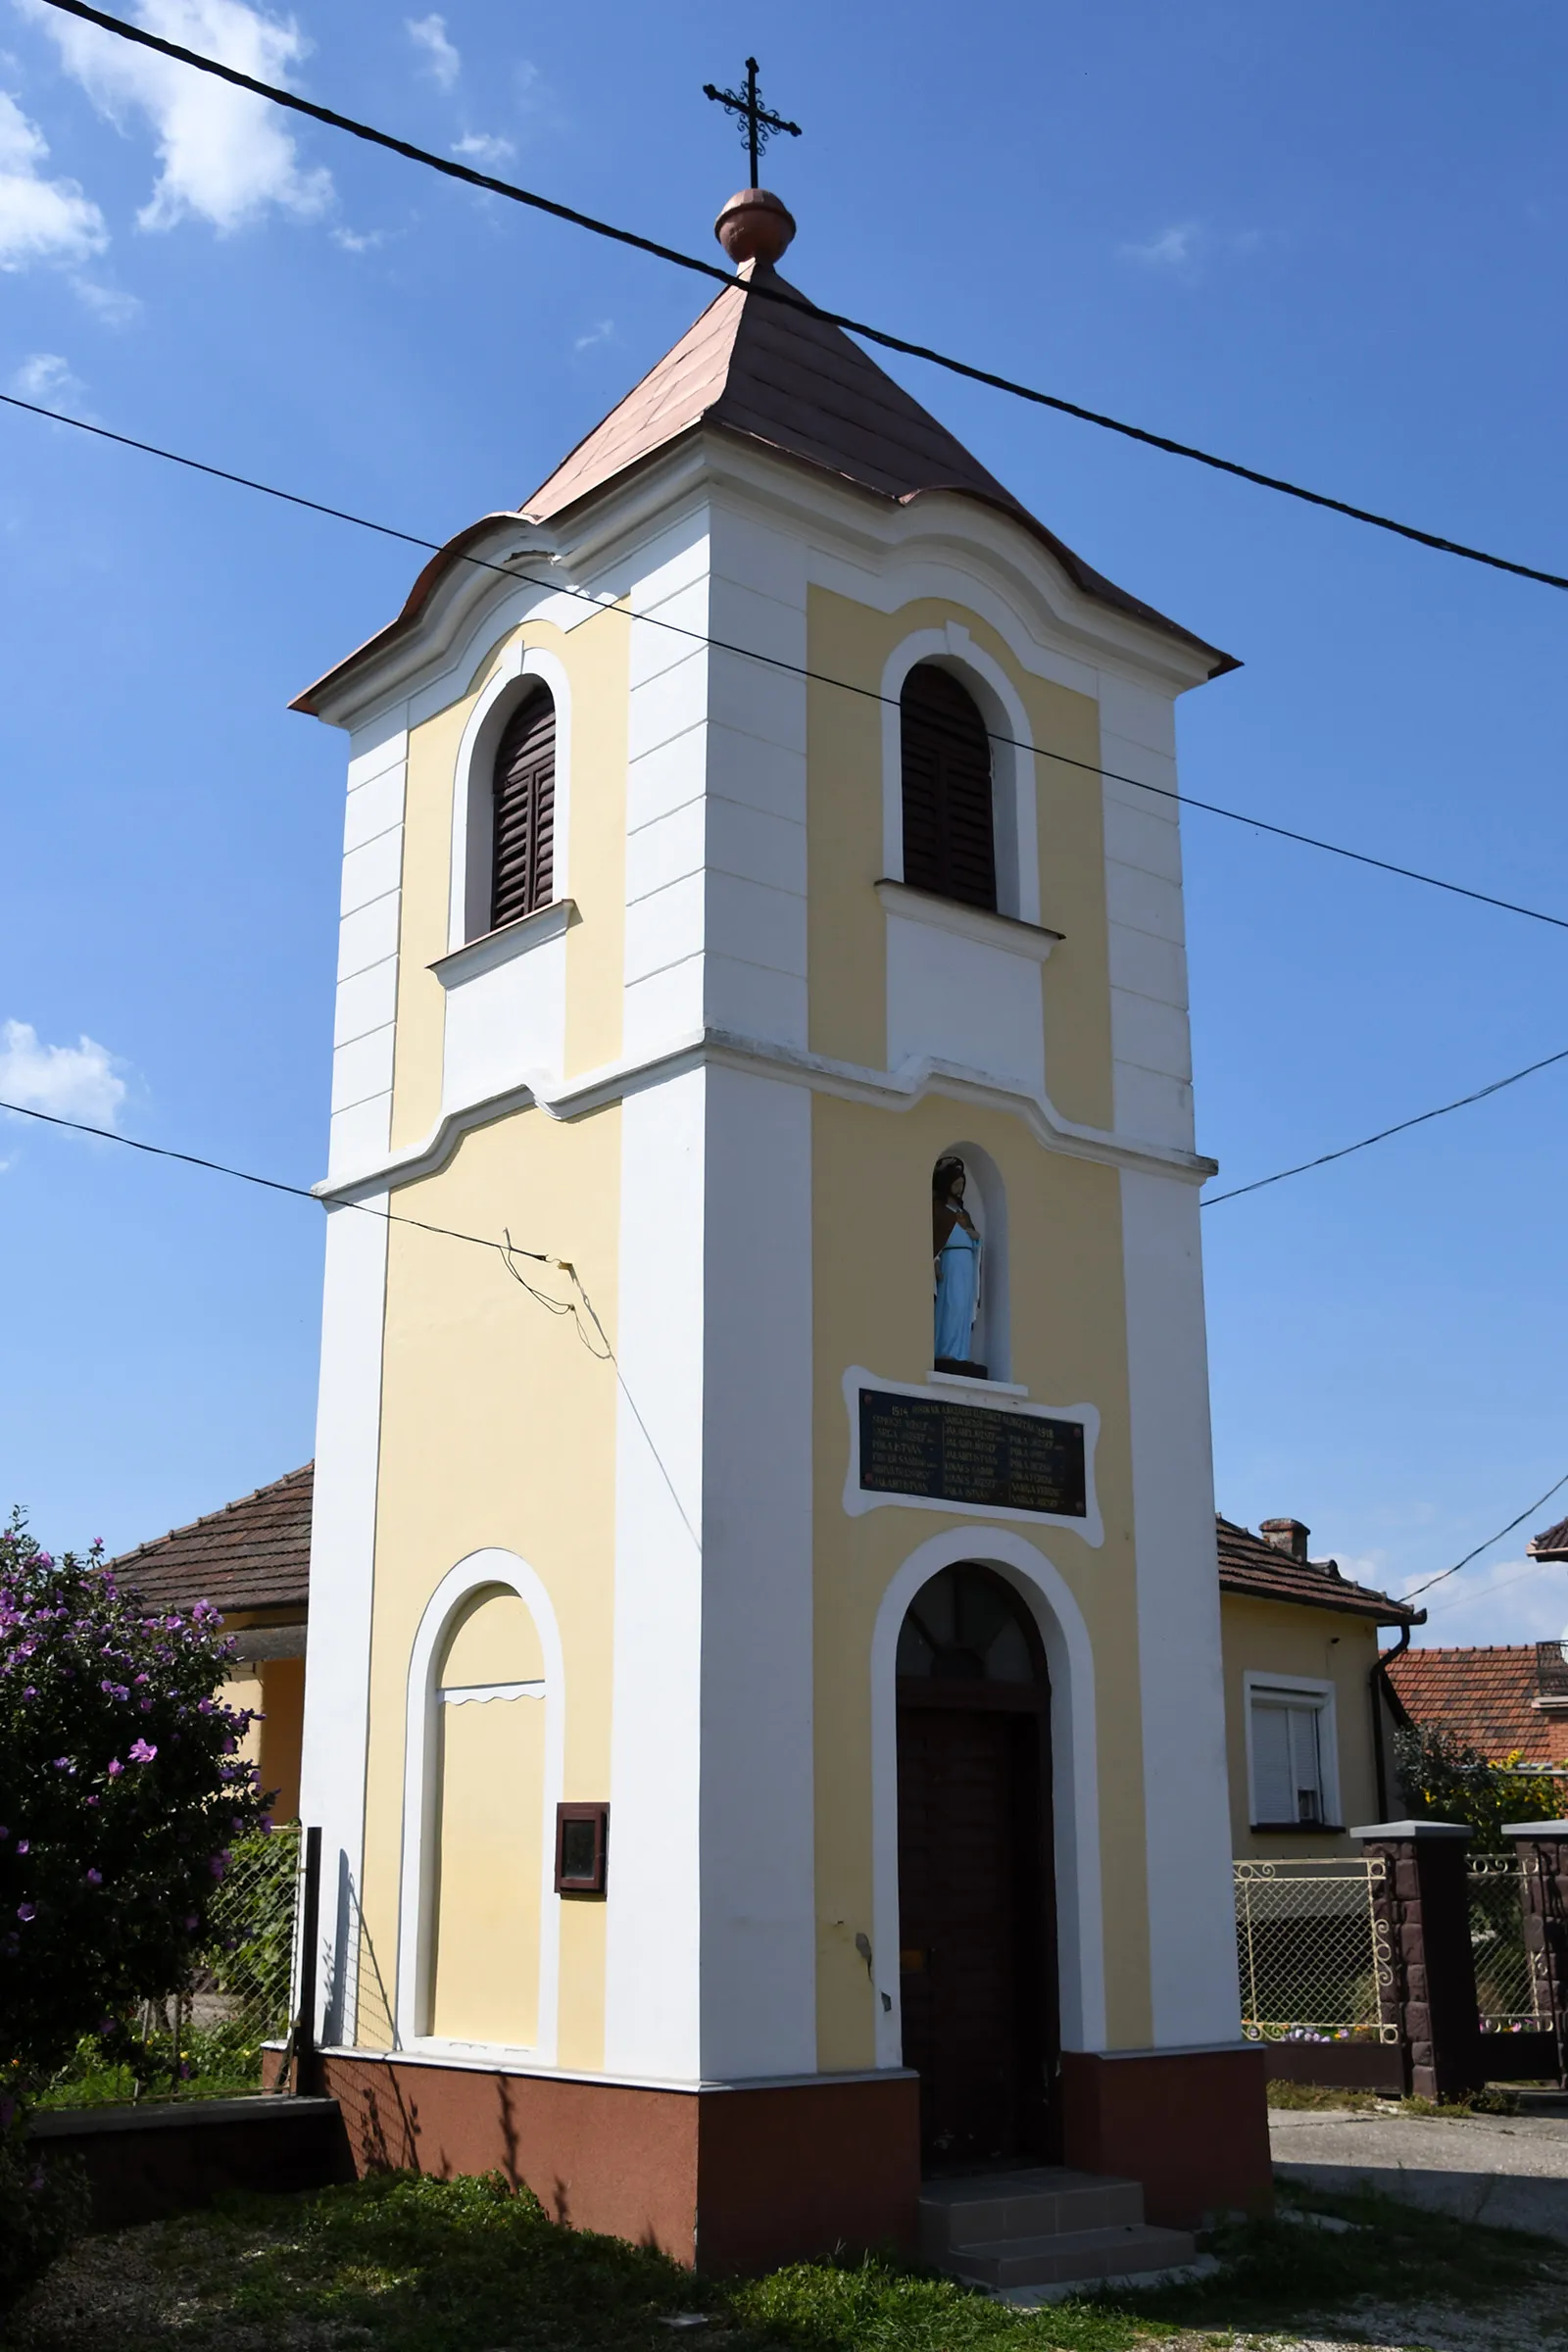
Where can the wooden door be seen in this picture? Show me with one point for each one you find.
(974, 1972)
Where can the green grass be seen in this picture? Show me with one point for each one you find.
(403, 2264)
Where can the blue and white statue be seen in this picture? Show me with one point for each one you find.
(957, 1251)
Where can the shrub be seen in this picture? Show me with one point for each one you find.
(1443, 1779)
(122, 1793)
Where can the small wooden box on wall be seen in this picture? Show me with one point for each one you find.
(582, 1848)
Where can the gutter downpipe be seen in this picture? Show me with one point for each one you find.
(1377, 1683)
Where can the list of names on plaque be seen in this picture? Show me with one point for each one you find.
(971, 1453)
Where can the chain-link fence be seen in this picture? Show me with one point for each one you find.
(1312, 1951)
(203, 2039)
(1505, 1980)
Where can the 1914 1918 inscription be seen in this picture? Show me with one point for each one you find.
(971, 1453)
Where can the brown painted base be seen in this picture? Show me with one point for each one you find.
(1191, 2125)
(733, 2180)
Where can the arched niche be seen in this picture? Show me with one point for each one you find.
(478, 1930)
(985, 1200)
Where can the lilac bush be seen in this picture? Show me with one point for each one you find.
(122, 1792)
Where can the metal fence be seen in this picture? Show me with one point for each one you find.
(203, 2038)
(1505, 1988)
(1312, 1950)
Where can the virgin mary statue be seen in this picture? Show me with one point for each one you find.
(955, 1251)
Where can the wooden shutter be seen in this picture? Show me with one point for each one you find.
(947, 840)
(522, 869)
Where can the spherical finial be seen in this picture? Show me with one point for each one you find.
(753, 226)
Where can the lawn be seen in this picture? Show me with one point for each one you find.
(401, 2264)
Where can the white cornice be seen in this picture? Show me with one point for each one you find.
(722, 1049)
(838, 517)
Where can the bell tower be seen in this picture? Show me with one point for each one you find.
(764, 1576)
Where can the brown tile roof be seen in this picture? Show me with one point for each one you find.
(1552, 1544)
(1247, 1564)
(253, 1555)
(787, 381)
(1486, 1696)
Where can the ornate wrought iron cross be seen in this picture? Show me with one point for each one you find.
(758, 126)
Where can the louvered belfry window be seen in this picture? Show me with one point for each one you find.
(522, 872)
(947, 840)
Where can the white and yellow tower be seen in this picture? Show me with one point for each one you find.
(767, 1730)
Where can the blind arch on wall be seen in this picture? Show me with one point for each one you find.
(524, 810)
(949, 828)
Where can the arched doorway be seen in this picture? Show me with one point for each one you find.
(976, 1915)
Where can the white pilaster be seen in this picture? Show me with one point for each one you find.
(337, 1660)
(1192, 1933)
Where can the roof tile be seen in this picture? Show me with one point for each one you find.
(253, 1555)
(1486, 1697)
(1247, 1564)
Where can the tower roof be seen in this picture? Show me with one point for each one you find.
(773, 373)
(783, 377)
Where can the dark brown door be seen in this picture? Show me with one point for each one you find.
(974, 1983)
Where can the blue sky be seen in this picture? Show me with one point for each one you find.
(1326, 240)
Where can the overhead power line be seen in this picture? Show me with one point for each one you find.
(508, 570)
(1402, 1127)
(1527, 1512)
(452, 169)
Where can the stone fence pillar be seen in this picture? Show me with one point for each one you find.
(1424, 1906)
(1542, 1851)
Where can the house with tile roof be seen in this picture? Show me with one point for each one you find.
(1309, 1714)
(252, 1560)
(1508, 1700)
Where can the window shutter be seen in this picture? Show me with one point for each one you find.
(948, 837)
(523, 854)
(1287, 1763)
(1273, 1795)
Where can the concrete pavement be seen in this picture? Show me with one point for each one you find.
(1512, 2171)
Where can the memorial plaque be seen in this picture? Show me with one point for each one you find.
(971, 1453)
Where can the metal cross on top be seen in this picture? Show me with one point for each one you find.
(757, 124)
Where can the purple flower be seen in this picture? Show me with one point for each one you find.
(219, 1865)
(95, 1877)
(140, 1751)
(27, 1911)
(115, 1768)
(23, 1846)
(192, 1924)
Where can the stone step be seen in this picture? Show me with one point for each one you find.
(1075, 2254)
(1036, 2201)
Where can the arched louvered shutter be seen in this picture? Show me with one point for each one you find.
(523, 874)
(947, 840)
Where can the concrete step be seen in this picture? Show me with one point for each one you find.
(1073, 2254)
(1034, 2202)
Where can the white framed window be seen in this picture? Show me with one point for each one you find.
(1292, 1752)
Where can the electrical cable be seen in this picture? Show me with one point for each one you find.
(1324, 1158)
(1462, 1599)
(790, 300)
(1527, 1512)
(507, 571)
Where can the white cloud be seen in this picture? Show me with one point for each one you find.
(75, 1082)
(40, 219)
(481, 147)
(442, 60)
(359, 240)
(1501, 1600)
(224, 156)
(1172, 249)
(111, 306)
(50, 380)
(603, 333)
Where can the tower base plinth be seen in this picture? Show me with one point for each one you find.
(727, 2176)
(1190, 2124)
